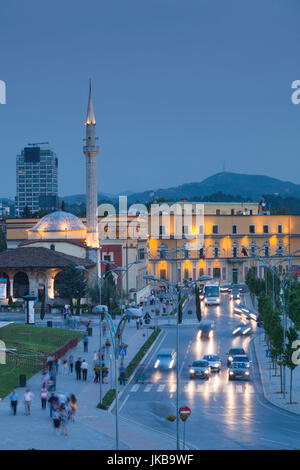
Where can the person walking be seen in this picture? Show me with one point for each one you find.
(95, 357)
(64, 420)
(53, 379)
(137, 323)
(56, 421)
(78, 369)
(28, 396)
(84, 368)
(52, 402)
(50, 360)
(97, 374)
(71, 364)
(14, 401)
(122, 378)
(73, 402)
(85, 343)
(44, 397)
(65, 366)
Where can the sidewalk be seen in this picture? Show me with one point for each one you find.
(270, 383)
(93, 428)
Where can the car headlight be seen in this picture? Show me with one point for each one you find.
(206, 371)
(231, 373)
(248, 365)
(156, 364)
(236, 330)
(192, 371)
(171, 364)
(230, 358)
(247, 373)
(218, 299)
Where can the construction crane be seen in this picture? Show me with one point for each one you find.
(39, 143)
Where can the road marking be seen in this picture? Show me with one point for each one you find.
(276, 442)
(161, 387)
(123, 403)
(148, 387)
(135, 388)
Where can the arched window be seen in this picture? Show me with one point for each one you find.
(21, 284)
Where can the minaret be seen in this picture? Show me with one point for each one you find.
(91, 151)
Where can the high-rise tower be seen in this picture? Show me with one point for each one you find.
(91, 151)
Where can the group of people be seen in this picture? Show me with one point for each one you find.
(97, 363)
(62, 410)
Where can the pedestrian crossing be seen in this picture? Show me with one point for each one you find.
(192, 387)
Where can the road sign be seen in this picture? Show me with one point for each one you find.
(122, 351)
(268, 352)
(185, 411)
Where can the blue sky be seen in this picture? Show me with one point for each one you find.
(180, 86)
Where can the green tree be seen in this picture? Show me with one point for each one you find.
(198, 303)
(73, 286)
(109, 293)
(293, 304)
(3, 245)
(26, 214)
(292, 336)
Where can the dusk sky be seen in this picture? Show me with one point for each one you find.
(179, 87)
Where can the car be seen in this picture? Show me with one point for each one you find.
(206, 329)
(200, 369)
(235, 294)
(234, 352)
(225, 288)
(242, 310)
(241, 330)
(238, 370)
(213, 361)
(166, 359)
(242, 358)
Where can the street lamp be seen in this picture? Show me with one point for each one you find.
(116, 337)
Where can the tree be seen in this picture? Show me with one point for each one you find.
(198, 303)
(26, 214)
(292, 336)
(3, 245)
(109, 293)
(73, 285)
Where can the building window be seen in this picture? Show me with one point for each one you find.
(279, 229)
(217, 211)
(266, 250)
(234, 252)
(162, 274)
(142, 253)
(216, 272)
(266, 228)
(215, 229)
(186, 254)
(251, 228)
(161, 230)
(201, 253)
(201, 229)
(201, 272)
(186, 274)
(234, 229)
(232, 211)
(185, 229)
(216, 252)
(106, 258)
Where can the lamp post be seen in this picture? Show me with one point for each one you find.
(175, 294)
(116, 337)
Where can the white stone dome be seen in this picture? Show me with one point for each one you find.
(58, 221)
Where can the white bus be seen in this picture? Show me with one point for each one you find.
(212, 293)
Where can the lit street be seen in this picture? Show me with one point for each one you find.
(225, 415)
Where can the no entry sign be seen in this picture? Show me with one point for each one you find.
(185, 411)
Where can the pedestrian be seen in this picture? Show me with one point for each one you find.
(95, 357)
(122, 378)
(14, 401)
(52, 402)
(78, 369)
(141, 322)
(53, 379)
(137, 323)
(56, 365)
(85, 343)
(65, 366)
(104, 374)
(28, 396)
(104, 329)
(44, 397)
(56, 421)
(64, 420)
(84, 368)
(50, 360)
(71, 364)
(97, 374)
(45, 377)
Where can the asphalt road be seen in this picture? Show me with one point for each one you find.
(225, 415)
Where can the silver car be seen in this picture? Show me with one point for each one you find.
(213, 361)
(238, 370)
(200, 369)
(165, 359)
(242, 359)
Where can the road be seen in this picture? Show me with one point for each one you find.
(225, 415)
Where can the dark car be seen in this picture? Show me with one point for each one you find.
(234, 352)
(165, 359)
(235, 294)
(206, 329)
(241, 330)
(238, 370)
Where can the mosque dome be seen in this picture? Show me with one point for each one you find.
(58, 221)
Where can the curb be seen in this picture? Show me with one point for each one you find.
(133, 373)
